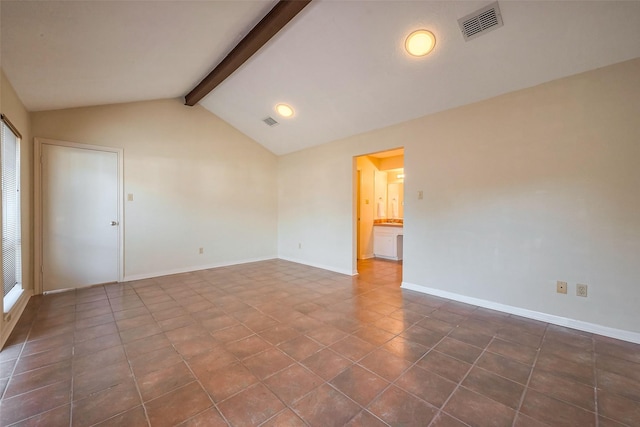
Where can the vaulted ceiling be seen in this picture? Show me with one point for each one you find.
(340, 64)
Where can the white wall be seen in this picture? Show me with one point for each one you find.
(308, 206)
(520, 190)
(196, 181)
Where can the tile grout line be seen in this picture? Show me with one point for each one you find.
(73, 355)
(296, 362)
(376, 292)
(459, 384)
(31, 327)
(124, 348)
(391, 383)
(260, 381)
(73, 359)
(433, 348)
(533, 366)
(156, 322)
(33, 324)
(594, 361)
(196, 378)
(13, 370)
(325, 382)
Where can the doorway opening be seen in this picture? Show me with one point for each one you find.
(379, 213)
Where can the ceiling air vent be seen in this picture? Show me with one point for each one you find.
(481, 21)
(270, 121)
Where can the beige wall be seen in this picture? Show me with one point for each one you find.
(520, 190)
(11, 106)
(196, 181)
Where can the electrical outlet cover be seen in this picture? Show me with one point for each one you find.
(581, 290)
(561, 287)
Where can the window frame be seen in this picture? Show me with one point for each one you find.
(11, 298)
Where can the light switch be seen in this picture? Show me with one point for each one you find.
(130, 197)
(420, 195)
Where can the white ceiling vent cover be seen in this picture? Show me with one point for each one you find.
(270, 121)
(481, 21)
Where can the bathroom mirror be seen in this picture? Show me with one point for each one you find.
(395, 200)
(389, 194)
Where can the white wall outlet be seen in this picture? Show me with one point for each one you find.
(561, 287)
(299, 245)
(201, 251)
(130, 197)
(581, 290)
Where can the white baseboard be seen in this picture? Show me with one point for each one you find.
(11, 318)
(324, 267)
(129, 278)
(620, 334)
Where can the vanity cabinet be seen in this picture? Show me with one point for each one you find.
(387, 242)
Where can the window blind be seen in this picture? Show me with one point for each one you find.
(11, 239)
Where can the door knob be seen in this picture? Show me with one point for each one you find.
(114, 223)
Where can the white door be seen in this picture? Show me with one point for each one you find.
(80, 237)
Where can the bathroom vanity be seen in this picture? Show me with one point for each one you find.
(387, 241)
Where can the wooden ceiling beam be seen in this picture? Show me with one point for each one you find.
(274, 21)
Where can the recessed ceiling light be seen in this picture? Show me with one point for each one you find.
(420, 43)
(284, 110)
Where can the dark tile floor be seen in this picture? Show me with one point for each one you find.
(280, 344)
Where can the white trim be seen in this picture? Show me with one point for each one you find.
(37, 203)
(191, 269)
(354, 272)
(11, 298)
(580, 325)
(59, 291)
(388, 258)
(11, 318)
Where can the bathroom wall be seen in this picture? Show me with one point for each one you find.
(367, 168)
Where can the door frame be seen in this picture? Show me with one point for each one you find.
(358, 208)
(37, 203)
